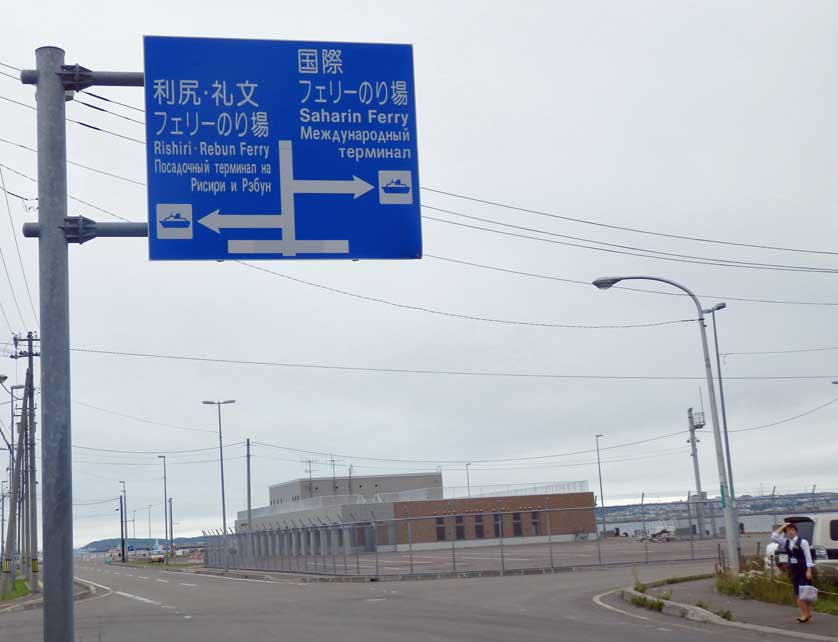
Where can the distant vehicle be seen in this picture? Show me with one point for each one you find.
(661, 536)
(821, 531)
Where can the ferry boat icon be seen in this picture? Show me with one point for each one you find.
(395, 186)
(175, 221)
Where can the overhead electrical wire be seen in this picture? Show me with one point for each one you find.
(111, 100)
(79, 122)
(788, 419)
(17, 247)
(142, 420)
(156, 452)
(620, 287)
(795, 351)
(628, 253)
(714, 260)
(461, 373)
(469, 317)
(627, 229)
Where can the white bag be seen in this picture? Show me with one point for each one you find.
(807, 593)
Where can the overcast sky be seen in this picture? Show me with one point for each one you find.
(705, 119)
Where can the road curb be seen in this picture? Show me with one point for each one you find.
(698, 614)
(81, 591)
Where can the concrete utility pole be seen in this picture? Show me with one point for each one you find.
(33, 483)
(249, 507)
(165, 501)
(691, 422)
(601, 495)
(125, 506)
(171, 529)
(9, 562)
(468, 480)
(218, 405)
(122, 532)
(149, 524)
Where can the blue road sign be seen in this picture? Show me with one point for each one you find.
(263, 149)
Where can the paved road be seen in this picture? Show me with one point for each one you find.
(153, 604)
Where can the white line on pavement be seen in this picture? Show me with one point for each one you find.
(598, 601)
(138, 598)
(185, 584)
(164, 581)
(101, 586)
(141, 577)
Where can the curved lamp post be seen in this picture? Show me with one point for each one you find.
(729, 512)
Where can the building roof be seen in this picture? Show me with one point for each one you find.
(305, 480)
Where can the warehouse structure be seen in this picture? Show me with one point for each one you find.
(392, 512)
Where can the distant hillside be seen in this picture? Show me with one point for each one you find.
(107, 544)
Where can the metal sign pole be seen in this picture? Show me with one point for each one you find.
(59, 624)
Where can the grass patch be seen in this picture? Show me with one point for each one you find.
(647, 603)
(665, 595)
(680, 579)
(779, 591)
(640, 587)
(20, 590)
(725, 614)
(703, 605)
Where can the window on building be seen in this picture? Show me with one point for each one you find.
(536, 524)
(833, 530)
(479, 531)
(497, 524)
(440, 529)
(516, 525)
(460, 527)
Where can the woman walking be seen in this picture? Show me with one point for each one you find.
(800, 563)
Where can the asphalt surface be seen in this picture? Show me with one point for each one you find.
(135, 605)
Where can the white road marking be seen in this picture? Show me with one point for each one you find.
(128, 575)
(235, 579)
(187, 617)
(138, 598)
(101, 586)
(185, 584)
(164, 581)
(141, 577)
(375, 599)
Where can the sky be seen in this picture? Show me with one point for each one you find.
(712, 120)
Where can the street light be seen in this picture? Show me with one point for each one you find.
(165, 499)
(218, 405)
(125, 506)
(712, 311)
(601, 496)
(729, 510)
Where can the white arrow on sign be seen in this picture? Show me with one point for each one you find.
(357, 186)
(216, 221)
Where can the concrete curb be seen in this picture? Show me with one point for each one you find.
(81, 590)
(697, 614)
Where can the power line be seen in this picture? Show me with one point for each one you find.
(17, 247)
(11, 286)
(626, 229)
(12, 67)
(111, 100)
(627, 253)
(79, 122)
(460, 373)
(156, 452)
(468, 317)
(69, 162)
(714, 260)
(788, 419)
(738, 354)
(140, 419)
(70, 196)
(619, 287)
(107, 111)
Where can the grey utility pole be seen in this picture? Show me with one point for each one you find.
(468, 480)
(149, 524)
(249, 508)
(32, 484)
(695, 421)
(165, 501)
(124, 558)
(724, 492)
(218, 405)
(9, 568)
(601, 495)
(125, 506)
(171, 530)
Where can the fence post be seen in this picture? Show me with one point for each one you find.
(410, 544)
(549, 535)
(500, 531)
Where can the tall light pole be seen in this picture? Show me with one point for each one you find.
(218, 405)
(468, 480)
(165, 502)
(601, 495)
(149, 524)
(729, 510)
(125, 506)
